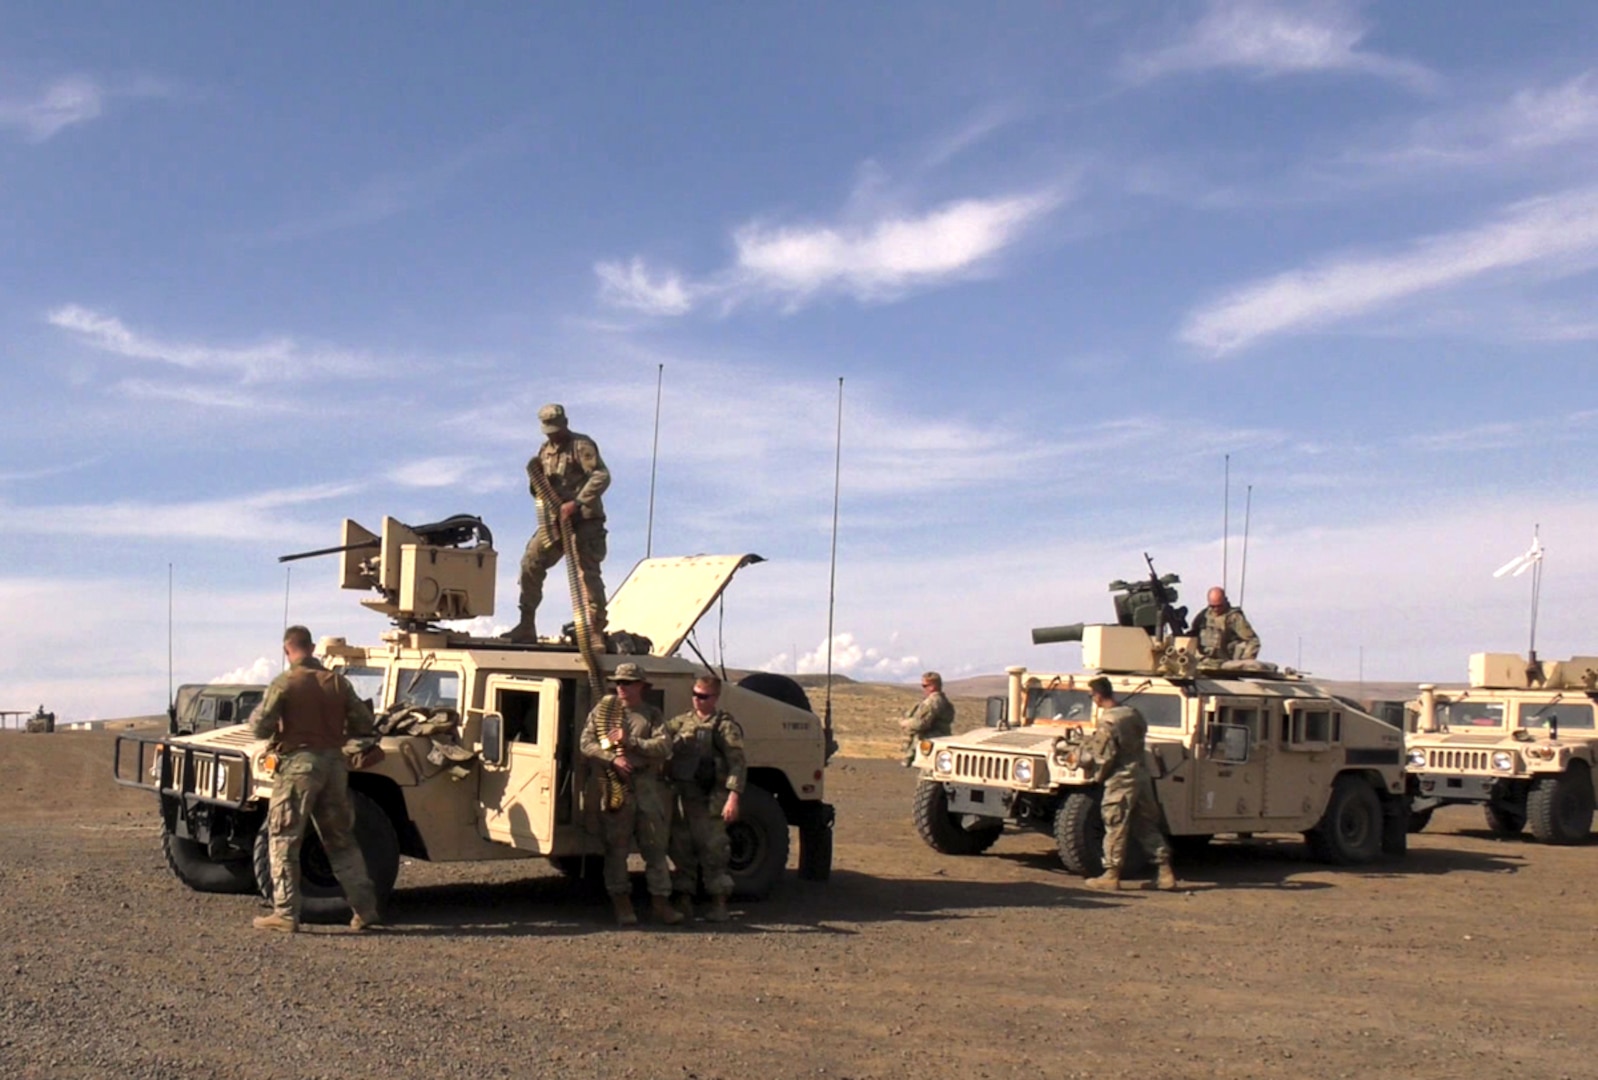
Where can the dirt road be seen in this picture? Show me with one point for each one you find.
(1474, 957)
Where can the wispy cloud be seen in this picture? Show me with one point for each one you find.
(1556, 234)
(73, 99)
(279, 359)
(464, 473)
(871, 261)
(260, 516)
(1272, 38)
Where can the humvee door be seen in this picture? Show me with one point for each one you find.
(662, 599)
(516, 795)
(1228, 772)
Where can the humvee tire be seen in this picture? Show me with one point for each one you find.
(1079, 836)
(815, 848)
(1350, 832)
(943, 831)
(759, 841)
(191, 865)
(321, 897)
(1559, 808)
(1504, 819)
(778, 688)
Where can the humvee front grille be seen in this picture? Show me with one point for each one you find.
(1459, 760)
(982, 767)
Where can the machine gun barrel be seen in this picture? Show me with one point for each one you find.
(362, 546)
(1050, 635)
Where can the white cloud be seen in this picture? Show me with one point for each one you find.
(1557, 234)
(208, 397)
(631, 286)
(850, 658)
(255, 516)
(74, 99)
(875, 260)
(1274, 38)
(467, 473)
(261, 671)
(278, 359)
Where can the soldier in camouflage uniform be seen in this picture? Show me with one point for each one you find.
(1223, 631)
(708, 773)
(928, 718)
(636, 747)
(579, 477)
(1129, 806)
(308, 713)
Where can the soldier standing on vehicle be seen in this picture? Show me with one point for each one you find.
(1129, 806)
(579, 477)
(928, 718)
(707, 774)
(308, 713)
(626, 734)
(1223, 631)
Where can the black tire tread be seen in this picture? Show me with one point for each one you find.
(758, 808)
(191, 865)
(1559, 809)
(941, 830)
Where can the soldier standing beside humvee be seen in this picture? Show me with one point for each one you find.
(929, 718)
(708, 773)
(1130, 809)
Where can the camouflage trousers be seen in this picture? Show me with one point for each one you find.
(313, 787)
(544, 551)
(911, 739)
(644, 818)
(1131, 813)
(699, 842)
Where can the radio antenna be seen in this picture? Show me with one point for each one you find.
(1226, 517)
(288, 577)
(654, 457)
(832, 572)
(170, 700)
(1242, 584)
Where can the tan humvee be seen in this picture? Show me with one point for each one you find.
(1520, 740)
(1235, 747)
(507, 780)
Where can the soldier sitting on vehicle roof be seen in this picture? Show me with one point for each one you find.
(1223, 631)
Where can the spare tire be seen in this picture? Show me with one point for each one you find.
(778, 687)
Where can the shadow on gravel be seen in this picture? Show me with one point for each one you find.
(1517, 840)
(557, 906)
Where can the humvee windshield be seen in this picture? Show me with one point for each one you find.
(1568, 714)
(368, 683)
(430, 689)
(1456, 714)
(1058, 704)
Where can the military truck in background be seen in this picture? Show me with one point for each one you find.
(1520, 741)
(1234, 747)
(198, 707)
(492, 770)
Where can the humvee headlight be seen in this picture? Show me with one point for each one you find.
(1022, 771)
(944, 762)
(1417, 758)
(1503, 761)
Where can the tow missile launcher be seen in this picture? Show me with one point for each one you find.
(1237, 747)
(480, 735)
(1520, 741)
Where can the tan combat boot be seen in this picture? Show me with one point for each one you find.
(718, 910)
(1109, 881)
(281, 923)
(662, 909)
(358, 922)
(685, 904)
(523, 633)
(1165, 880)
(625, 916)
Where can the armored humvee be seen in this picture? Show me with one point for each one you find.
(1234, 747)
(1520, 740)
(493, 769)
(201, 707)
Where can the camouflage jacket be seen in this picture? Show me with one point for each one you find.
(707, 752)
(1226, 636)
(932, 716)
(645, 743)
(1118, 742)
(311, 708)
(577, 473)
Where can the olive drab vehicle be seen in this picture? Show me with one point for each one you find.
(1520, 741)
(1233, 747)
(479, 736)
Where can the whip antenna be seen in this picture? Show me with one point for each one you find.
(1226, 517)
(288, 576)
(832, 572)
(169, 698)
(654, 456)
(1242, 584)
(1532, 560)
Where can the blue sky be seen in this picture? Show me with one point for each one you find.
(264, 270)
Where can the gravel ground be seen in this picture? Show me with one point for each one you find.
(1473, 957)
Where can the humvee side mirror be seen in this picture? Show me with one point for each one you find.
(998, 715)
(493, 739)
